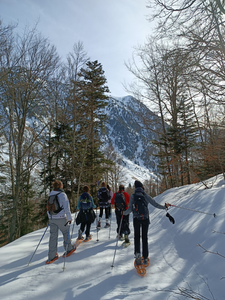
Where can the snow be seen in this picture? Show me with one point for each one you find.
(176, 260)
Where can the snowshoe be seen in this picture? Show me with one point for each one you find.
(140, 268)
(69, 252)
(88, 238)
(54, 259)
(125, 244)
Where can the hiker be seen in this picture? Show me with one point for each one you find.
(111, 195)
(104, 197)
(86, 214)
(59, 221)
(139, 206)
(121, 201)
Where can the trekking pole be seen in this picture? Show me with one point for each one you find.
(75, 216)
(110, 225)
(202, 212)
(67, 242)
(97, 224)
(38, 245)
(117, 241)
(110, 220)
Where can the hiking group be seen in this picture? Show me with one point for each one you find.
(58, 210)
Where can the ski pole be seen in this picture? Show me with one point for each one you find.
(75, 216)
(38, 245)
(110, 225)
(202, 212)
(110, 211)
(67, 242)
(97, 224)
(117, 241)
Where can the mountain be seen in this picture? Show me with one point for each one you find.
(178, 263)
(131, 128)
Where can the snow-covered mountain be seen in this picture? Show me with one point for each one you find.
(131, 128)
(179, 265)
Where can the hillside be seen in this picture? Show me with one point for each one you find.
(177, 262)
(131, 128)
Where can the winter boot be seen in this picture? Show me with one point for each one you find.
(120, 237)
(146, 262)
(138, 259)
(107, 225)
(88, 237)
(99, 224)
(127, 241)
(80, 237)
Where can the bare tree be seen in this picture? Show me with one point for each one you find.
(31, 62)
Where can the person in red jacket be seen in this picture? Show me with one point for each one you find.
(121, 201)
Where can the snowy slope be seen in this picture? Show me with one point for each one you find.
(130, 129)
(176, 260)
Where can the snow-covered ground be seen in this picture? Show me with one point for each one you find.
(176, 260)
(131, 171)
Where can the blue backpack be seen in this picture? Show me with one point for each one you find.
(85, 202)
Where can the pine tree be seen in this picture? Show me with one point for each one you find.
(93, 90)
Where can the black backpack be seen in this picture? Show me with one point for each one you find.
(53, 206)
(120, 203)
(140, 207)
(103, 195)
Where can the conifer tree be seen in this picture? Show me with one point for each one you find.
(94, 94)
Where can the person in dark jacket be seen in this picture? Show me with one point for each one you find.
(86, 214)
(104, 196)
(139, 202)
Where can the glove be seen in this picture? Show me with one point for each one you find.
(170, 218)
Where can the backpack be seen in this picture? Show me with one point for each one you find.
(86, 213)
(85, 202)
(140, 207)
(120, 203)
(53, 206)
(103, 195)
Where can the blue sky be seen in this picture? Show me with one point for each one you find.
(108, 29)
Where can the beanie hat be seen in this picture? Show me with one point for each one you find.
(138, 184)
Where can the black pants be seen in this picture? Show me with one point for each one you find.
(88, 226)
(141, 226)
(125, 223)
(106, 212)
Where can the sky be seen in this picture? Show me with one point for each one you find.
(108, 29)
(177, 257)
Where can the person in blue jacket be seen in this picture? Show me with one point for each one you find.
(86, 214)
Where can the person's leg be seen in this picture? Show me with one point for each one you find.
(88, 226)
(65, 229)
(82, 226)
(100, 213)
(145, 225)
(126, 229)
(118, 219)
(136, 224)
(106, 213)
(53, 240)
